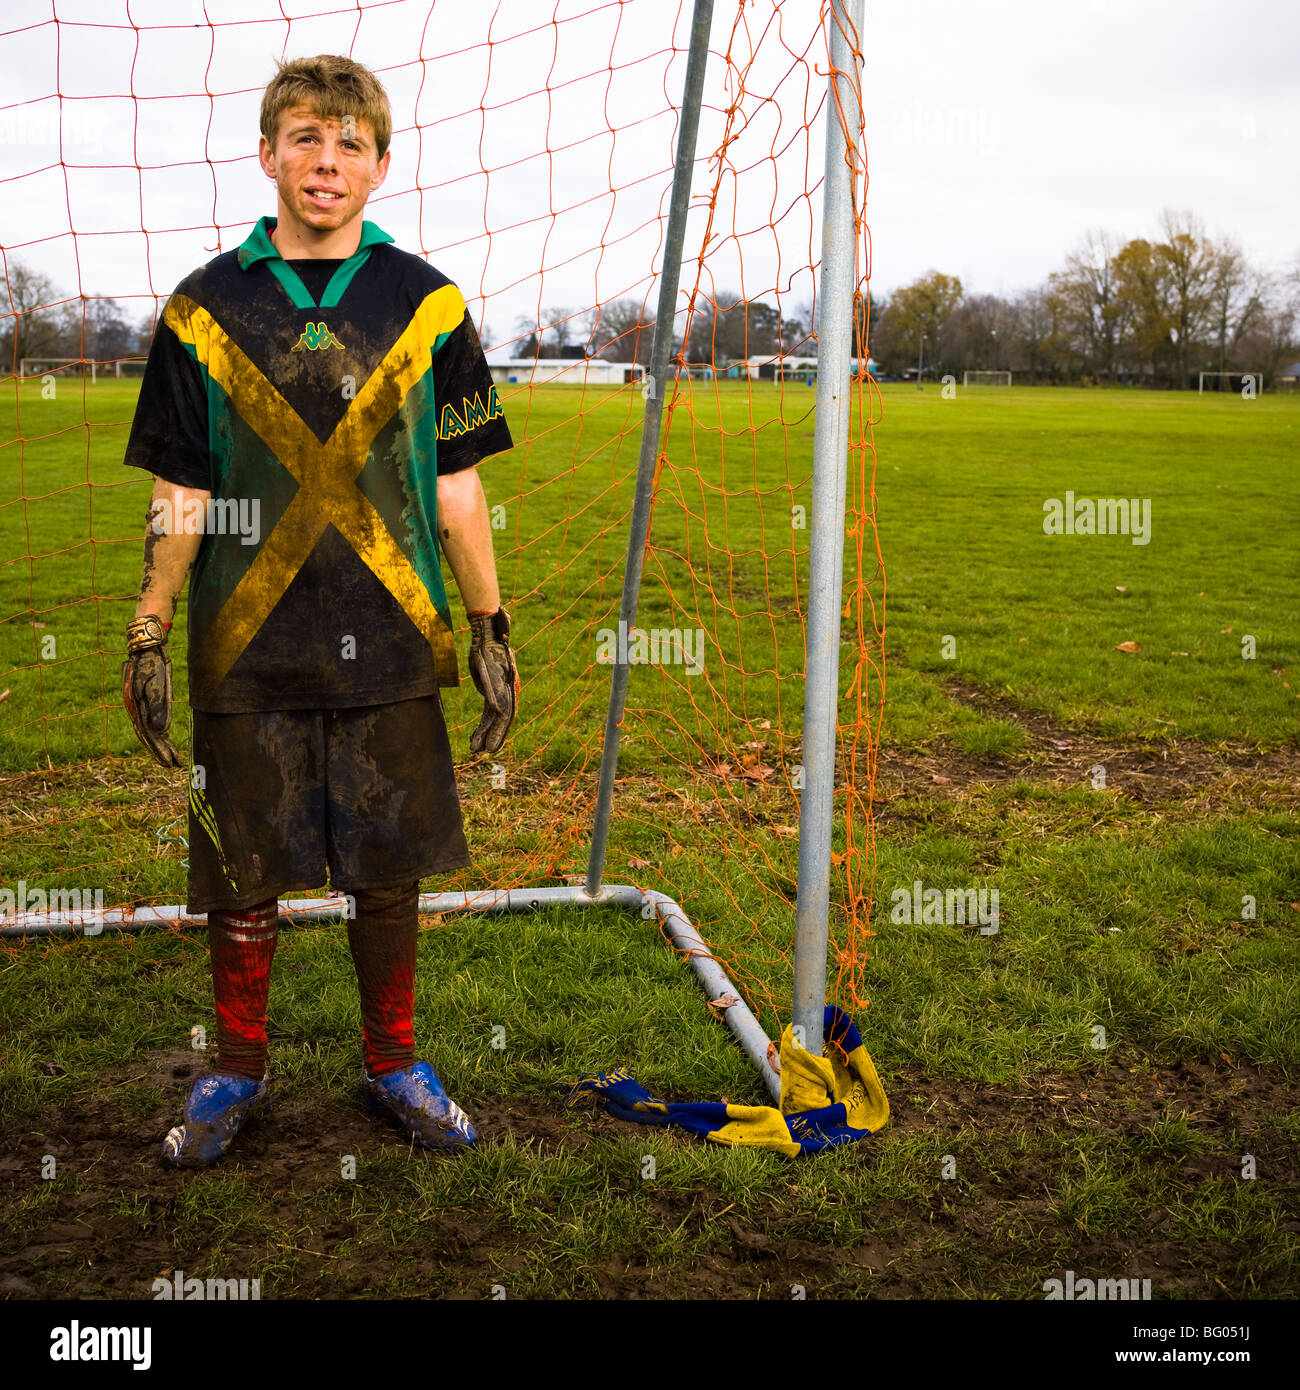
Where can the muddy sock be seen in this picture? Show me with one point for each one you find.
(242, 945)
(382, 938)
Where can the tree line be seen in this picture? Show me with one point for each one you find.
(725, 328)
(1146, 311)
(1152, 312)
(39, 320)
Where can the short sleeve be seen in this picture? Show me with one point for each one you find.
(169, 434)
(471, 424)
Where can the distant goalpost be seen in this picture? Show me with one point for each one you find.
(31, 368)
(1231, 381)
(986, 378)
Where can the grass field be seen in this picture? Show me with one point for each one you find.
(1121, 899)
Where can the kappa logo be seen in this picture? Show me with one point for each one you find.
(472, 413)
(316, 336)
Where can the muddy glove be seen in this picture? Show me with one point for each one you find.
(147, 687)
(492, 666)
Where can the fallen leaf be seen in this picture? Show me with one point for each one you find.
(1121, 588)
(638, 863)
(1227, 1059)
(1128, 647)
(1225, 629)
(786, 830)
(1178, 653)
(939, 777)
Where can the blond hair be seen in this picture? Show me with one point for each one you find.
(332, 87)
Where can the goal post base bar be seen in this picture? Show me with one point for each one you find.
(649, 903)
(1005, 378)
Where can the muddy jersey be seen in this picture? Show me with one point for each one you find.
(317, 401)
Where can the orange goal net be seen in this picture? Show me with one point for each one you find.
(532, 163)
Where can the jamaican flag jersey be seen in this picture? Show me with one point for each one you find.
(317, 401)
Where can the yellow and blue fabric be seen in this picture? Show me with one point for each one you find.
(318, 402)
(825, 1101)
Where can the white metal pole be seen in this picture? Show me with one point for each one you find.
(826, 557)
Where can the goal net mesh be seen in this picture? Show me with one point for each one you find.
(532, 163)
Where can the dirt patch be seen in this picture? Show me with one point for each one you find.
(1176, 769)
(117, 1233)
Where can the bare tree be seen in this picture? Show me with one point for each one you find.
(1238, 293)
(558, 326)
(1271, 339)
(33, 321)
(107, 336)
(619, 331)
(526, 346)
(1094, 314)
(1188, 261)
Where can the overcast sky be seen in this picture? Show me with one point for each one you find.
(997, 134)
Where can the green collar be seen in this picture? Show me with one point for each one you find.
(259, 247)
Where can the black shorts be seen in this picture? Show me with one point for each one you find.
(368, 794)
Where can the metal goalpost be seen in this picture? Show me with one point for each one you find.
(1256, 380)
(830, 455)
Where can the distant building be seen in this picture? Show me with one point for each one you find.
(563, 371)
(778, 369)
(595, 371)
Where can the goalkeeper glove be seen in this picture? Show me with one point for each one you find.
(492, 666)
(147, 686)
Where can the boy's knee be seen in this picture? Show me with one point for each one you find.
(370, 901)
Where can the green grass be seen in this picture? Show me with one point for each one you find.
(1116, 911)
(961, 485)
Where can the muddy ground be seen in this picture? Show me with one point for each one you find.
(84, 1247)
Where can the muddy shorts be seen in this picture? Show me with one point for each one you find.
(368, 794)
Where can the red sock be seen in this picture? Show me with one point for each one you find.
(382, 938)
(242, 945)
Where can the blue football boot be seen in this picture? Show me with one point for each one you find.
(413, 1098)
(216, 1109)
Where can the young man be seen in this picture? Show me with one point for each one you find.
(313, 409)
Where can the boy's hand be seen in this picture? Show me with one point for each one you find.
(492, 667)
(147, 687)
